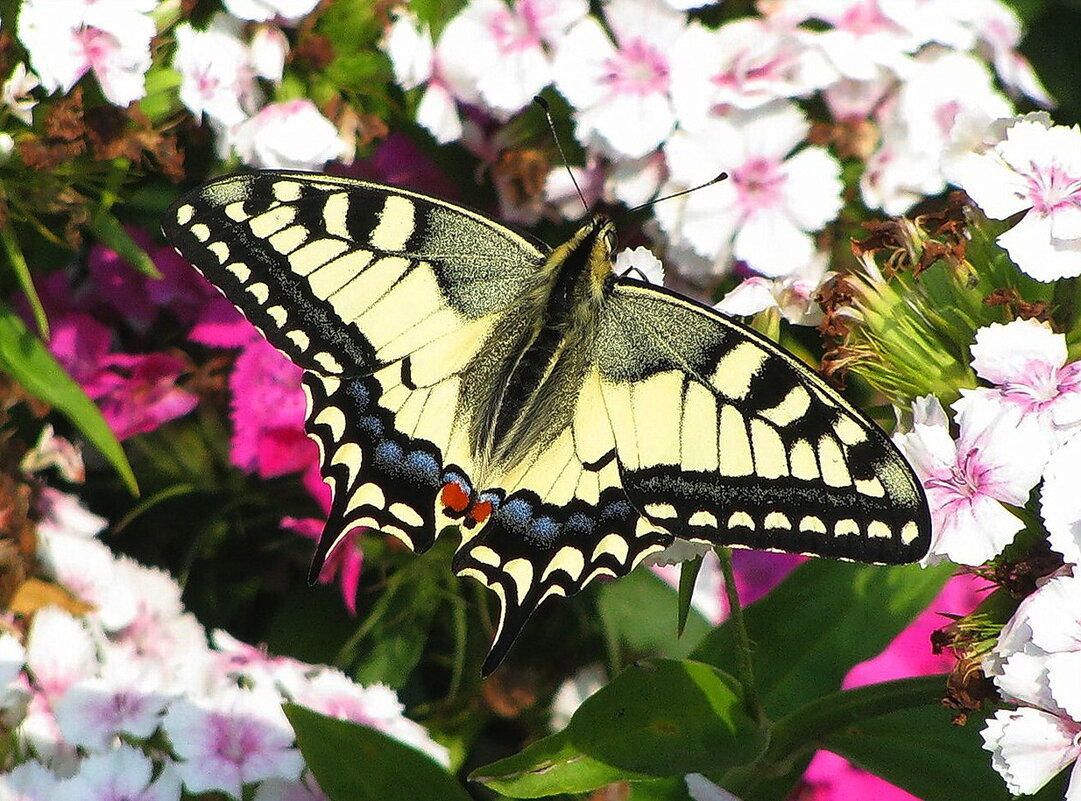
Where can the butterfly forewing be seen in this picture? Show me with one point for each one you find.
(753, 449)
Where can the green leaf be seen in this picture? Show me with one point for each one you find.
(18, 265)
(642, 613)
(356, 763)
(658, 719)
(391, 641)
(688, 573)
(113, 235)
(825, 617)
(26, 359)
(923, 752)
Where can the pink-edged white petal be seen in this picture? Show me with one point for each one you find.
(291, 135)
(1060, 502)
(772, 244)
(264, 10)
(751, 296)
(1029, 747)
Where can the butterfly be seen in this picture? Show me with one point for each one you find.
(568, 420)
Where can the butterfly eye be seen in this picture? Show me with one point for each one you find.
(611, 241)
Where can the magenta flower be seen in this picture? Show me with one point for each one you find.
(139, 392)
(344, 562)
(235, 738)
(268, 413)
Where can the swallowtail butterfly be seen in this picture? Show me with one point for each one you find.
(570, 421)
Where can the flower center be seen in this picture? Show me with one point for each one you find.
(511, 32)
(637, 69)
(1052, 188)
(759, 182)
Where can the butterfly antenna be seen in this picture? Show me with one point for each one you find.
(716, 180)
(540, 101)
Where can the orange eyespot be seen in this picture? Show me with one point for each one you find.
(480, 512)
(454, 498)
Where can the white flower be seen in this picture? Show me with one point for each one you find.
(217, 77)
(1036, 662)
(29, 781)
(640, 264)
(967, 481)
(59, 652)
(268, 50)
(1060, 502)
(998, 31)
(291, 135)
(745, 63)
(330, 692)
(68, 38)
(123, 774)
(573, 692)
(15, 94)
(123, 700)
(764, 212)
(1035, 168)
(231, 739)
(265, 10)
(620, 91)
(946, 100)
(498, 51)
(1026, 361)
(793, 297)
(861, 42)
(1029, 747)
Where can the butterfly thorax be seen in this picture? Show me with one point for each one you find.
(543, 371)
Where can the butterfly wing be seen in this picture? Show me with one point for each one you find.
(385, 297)
(752, 448)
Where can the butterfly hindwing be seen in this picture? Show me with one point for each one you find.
(563, 522)
(753, 449)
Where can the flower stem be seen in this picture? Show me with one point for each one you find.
(751, 701)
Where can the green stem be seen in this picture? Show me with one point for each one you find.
(22, 274)
(807, 727)
(744, 647)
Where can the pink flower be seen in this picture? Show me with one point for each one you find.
(235, 738)
(268, 410)
(344, 562)
(332, 693)
(217, 77)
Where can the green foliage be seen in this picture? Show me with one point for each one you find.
(357, 763)
(25, 358)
